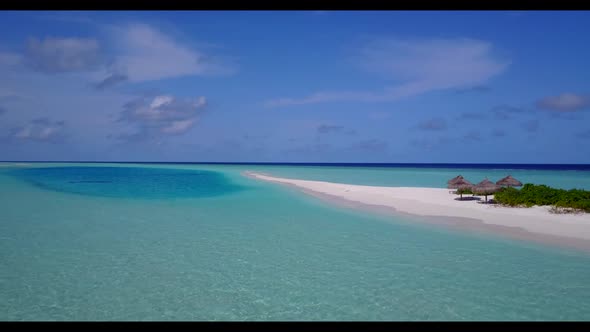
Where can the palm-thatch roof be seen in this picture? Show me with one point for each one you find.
(458, 177)
(459, 182)
(509, 181)
(485, 187)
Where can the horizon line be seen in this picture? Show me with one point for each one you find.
(281, 162)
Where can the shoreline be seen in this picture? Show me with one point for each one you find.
(437, 207)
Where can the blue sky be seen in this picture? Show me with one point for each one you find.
(296, 86)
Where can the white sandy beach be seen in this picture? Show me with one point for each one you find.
(535, 223)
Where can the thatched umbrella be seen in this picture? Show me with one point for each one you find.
(459, 183)
(485, 187)
(509, 181)
(453, 180)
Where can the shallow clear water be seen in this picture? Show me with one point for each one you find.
(260, 251)
(427, 177)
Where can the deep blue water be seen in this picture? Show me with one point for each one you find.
(129, 182)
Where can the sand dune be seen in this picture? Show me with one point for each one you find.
(535, 223)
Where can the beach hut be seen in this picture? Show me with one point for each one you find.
(509, 181)
(485, 187)
(459, 183)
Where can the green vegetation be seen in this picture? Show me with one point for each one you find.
(562, 200)
(465, 191)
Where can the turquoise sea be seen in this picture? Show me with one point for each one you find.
(202, 242)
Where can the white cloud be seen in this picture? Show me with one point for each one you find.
(43, 130)
(9, 59)
(133, 53)
(161, 115)
(565, 102)
(111, 80)
(57, 55)
(178, 127)
(161, 100)
(418, 67)
(146, 54)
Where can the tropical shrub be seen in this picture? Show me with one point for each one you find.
(532, 194)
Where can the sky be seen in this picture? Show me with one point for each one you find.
(295, 86)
